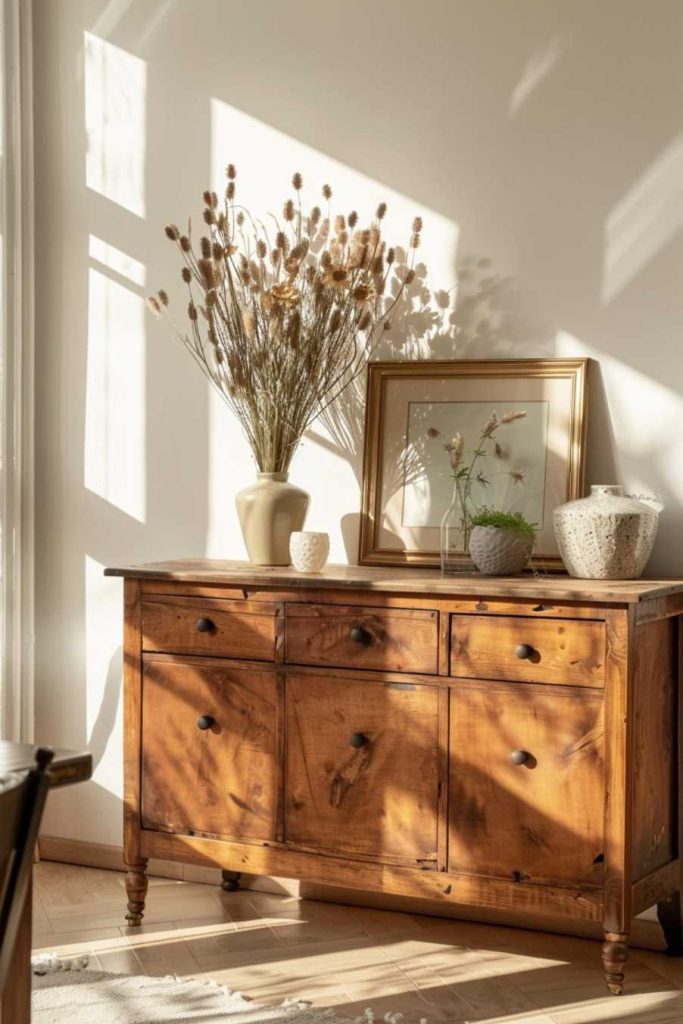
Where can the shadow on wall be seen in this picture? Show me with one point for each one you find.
(544, 135)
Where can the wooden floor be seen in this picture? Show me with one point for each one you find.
(271, 947)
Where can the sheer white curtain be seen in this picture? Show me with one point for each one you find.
(16, 371)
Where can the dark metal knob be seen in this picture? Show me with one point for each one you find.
(358, 740)
(360, 636)
(519, 756)
(205, 722)
(204, 625)
(524, 651)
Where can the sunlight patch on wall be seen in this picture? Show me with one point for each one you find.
(115, 433)
(104, 670)
(266, 159)
(647, 446)
(120, 262)
(643, 221)
(538, 67)
(115, 123)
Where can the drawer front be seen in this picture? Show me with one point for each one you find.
(362, 768)
(196, 625)
(527, 783)
(392, 640)
(221, 779)
(564, 651)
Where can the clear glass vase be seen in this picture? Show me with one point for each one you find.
(455, 538)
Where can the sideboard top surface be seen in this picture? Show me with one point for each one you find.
(401, 581)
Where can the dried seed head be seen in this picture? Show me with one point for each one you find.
(172, 232)
(186, 275)
(206, 196)
(261, 249)
(192, 311)
(326, 260)
(206, 268)
(316, 214)
(510, 417)
(230, 191)
(391, 255)
(410, 276)
(415, 241)
(381, 211)
(275, 257)
(297, 181)
(288, 210)
(378, 264)
(185, 243)
(205, 246)
(281, 241)
(339, 223)
(417, 225)
(352, 219)
(209, 216)
(163, 297)
(327, 192)
(240, 219)
(230, 172)
(154, 305)
(217, 251)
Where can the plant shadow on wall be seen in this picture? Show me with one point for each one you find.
(483, 318)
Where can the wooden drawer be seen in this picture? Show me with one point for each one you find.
(362, 771)
(392, 640)
(221, 779)
(537, 818)
(199, 625)
(516, 648)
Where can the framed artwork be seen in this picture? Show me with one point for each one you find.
(413, 410)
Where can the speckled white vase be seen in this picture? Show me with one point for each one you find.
(309, 550)
(499, 552)
(607, 536)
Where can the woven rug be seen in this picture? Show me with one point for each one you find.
(91, 997)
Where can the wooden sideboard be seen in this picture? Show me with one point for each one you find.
(490, 743)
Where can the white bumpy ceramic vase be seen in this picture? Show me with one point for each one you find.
(607, 536)
(497, 551)
(309, 550)
(270, 511)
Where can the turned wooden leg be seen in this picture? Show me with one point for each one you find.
(136, 887)
(614, 953)
(231, 880)
(671, 920)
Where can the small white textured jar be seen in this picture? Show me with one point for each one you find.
(309, 550)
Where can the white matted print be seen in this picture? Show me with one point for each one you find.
(414, 409)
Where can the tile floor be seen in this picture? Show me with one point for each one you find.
(271, 947)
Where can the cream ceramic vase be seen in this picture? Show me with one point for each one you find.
(270, 511)
(607, 536)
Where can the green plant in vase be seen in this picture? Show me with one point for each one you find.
(501, 543)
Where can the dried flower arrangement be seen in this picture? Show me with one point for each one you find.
(281, 325)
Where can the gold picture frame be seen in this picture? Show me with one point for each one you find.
(558, 387)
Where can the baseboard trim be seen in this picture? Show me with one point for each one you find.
(110, 858)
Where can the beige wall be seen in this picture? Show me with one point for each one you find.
(545, 135)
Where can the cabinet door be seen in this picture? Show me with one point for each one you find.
(362, 768)
(526, 785)
(209, 748)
